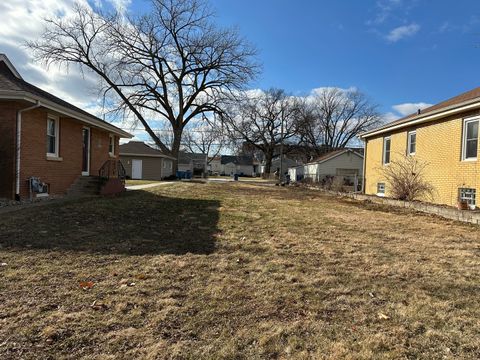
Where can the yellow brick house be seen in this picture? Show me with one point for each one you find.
(443, 136)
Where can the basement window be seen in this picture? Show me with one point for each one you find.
(52, 136)
(468, 195)
(381, 189)
(470, 140)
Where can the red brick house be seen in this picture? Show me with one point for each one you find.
(44, 137)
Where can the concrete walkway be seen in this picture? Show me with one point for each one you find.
(147, 186)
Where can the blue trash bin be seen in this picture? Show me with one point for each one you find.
(235, 177)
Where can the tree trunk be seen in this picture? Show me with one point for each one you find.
(177, 138)
(268, 163)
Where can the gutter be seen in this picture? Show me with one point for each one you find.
(19, 147)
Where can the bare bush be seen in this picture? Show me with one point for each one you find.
(406, 181)
(337, 184)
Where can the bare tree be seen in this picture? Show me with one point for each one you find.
(206, 138)
(332, 118)
(263, 119)
(406, 179)
(169, 64)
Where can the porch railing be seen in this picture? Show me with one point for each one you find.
(113, 169)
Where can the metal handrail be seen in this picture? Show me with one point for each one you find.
(113, 169)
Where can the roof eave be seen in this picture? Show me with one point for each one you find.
(6, 60)
(334, 156)
(24, 95)
(426, 117)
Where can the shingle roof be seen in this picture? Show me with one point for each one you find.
(332, 154)
(140, 148)
(237, 160)
(11, 83)
(186, 158)
(465, 97)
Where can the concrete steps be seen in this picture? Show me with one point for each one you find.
(85, 186)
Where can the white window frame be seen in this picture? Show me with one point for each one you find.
(381, 194)
(464, 138)
(111, 141)
(385, 139)
(409, 142)
(56, 119)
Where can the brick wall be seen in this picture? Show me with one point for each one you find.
(439, 145)
(62, 172)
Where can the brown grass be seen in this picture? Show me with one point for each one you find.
(235, 271)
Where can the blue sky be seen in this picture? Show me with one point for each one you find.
(403, 54)
(396, 51)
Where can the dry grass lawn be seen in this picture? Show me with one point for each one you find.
(236, 271)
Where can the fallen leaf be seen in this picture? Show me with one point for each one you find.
(85, 285)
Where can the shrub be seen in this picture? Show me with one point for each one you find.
(406, 181)
(337, 184)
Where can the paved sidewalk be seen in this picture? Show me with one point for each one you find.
(147, 186)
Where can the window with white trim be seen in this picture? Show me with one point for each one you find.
(381, 189)
(111, 145)
(387, 141)
(470, 140)
(412, 143)
(468, 195)
(52, 136)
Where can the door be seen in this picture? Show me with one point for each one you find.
(137, 169)
(86, 151)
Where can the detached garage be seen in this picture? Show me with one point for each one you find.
(143, 162)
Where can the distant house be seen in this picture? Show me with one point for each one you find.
(346, 162)
(240, 165)
(192, 162)
(144, 162)
(49, 146)
(215, 165)
(286, 163)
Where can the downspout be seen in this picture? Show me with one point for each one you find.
(19, 146)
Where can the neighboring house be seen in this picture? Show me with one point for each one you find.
(286, 164)
(48, 144)
(144, 162)
(192, 162)
(444, 137)
(215, 165)
(240, 165)
(345, 162)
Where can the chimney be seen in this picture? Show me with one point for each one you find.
(419, 111)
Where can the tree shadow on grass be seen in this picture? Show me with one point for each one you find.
(137, 223)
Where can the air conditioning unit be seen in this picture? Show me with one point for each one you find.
(37, 187)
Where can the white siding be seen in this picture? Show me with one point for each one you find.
(348, 160)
